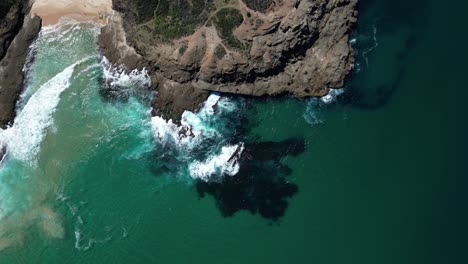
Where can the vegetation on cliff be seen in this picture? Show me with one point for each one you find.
(251, 47)
(165, 20)
(226, 21)
(259, 5)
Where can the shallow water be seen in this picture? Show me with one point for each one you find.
(376, 177)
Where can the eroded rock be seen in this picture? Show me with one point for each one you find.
(297, 47)
(17, 32)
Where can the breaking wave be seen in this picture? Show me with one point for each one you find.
(313, 113)
(25, 186)
(225, 163)
(331, 96)
(200, 141)
(120, 77)
(121, 83)
(23, 139)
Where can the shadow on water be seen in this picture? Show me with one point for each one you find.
(378, 21)
(392, 15)
(261, 185)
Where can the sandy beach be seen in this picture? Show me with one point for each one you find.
(84, 10)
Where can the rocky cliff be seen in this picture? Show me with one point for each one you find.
(250, 47)
(17, 32)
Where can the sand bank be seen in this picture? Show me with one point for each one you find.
(84, 10)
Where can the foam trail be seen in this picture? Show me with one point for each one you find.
(312, 114)
(374, 46)
(24, 137)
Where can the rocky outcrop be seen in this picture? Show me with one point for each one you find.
(17, 32)
(249, 47)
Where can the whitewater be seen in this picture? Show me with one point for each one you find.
(80, 119)
(76, 105)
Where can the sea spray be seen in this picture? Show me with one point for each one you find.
(24, 137)
(120, 77)
(120, 83)
(201, 140)
(128, 95)
(331, 96)
(315, 106)
(195, 127)
(225, 163)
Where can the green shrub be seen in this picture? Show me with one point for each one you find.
(183, 48)
(219, 52)
(170, 19)
(226, 21)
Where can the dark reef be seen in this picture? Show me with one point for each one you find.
(261, 186)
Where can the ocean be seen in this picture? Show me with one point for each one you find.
(374, 173)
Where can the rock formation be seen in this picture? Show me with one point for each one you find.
(17, 32)
(249, 47)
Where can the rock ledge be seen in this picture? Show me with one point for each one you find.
(257, 48)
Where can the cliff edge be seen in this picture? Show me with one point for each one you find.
(249, 47)
(17, 32)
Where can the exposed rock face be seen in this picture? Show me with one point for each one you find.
(250, 47)
(17, 32)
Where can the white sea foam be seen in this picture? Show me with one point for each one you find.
(120, 77)
(331, 96)
(225, 163)
(211, 104)
(194, 126)
(195, 130)
(24, 137)
(312, 114)
(192, 130)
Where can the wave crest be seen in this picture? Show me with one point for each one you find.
(201, 139)
(25, 136)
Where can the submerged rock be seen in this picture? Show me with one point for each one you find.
(249, 47)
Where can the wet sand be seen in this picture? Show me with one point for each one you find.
(51, 11)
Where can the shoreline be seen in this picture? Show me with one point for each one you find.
(51, 11)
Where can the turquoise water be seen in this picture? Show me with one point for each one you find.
(376, 177)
